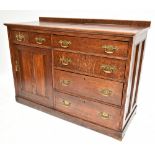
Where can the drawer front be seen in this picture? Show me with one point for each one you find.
(91, 111)
(89, 45)
(40, 39)
(93, 65)
(20, 37)
(95, 88)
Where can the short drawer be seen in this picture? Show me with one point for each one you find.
(94, 112)
(40, 39)
(20, 37)
(32, 38)
(93, 65)
(89, 45)
(95, 88)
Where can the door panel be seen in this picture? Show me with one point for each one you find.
(35, 75)
(26, 71)
(39, 74)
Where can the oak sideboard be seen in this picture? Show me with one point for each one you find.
(85, 71)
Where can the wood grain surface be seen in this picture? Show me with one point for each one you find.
(86, 71)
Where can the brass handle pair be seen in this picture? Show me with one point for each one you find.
(109, 49)
(40, 40)
(108, 68)
(102, 115)
(64, 43)
(67, 103)
(65, 61)
(20, 37)
(104, 92)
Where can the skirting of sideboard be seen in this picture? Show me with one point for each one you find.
(112, 133)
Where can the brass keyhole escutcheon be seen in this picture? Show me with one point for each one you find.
(83, 101)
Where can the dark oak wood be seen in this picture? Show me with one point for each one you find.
(104, 130)
(91, 46)
(34, 76)
(17, 40)
(90, 64)
(88, 86)
(98, 21)
(86, 71)
(109, 27)
(32, 39)
(88, 110)
(46, 39)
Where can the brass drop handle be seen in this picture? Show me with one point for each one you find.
(64, 43)
(109, 49)
(105, 92)
(17, 67)
(20, 37)
(104, 115)
(65, 82)
(40, 40)
(66, 103)
(108, 68)
(65, 61)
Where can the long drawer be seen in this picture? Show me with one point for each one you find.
(91, 45)
(95, 88)
(97, 113)
(93, 65)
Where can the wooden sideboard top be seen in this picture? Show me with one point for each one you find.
(97, 26)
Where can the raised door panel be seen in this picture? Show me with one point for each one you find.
(35, 74)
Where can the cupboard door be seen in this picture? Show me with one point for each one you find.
(34, 72)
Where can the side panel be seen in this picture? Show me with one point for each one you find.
(133, 73)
